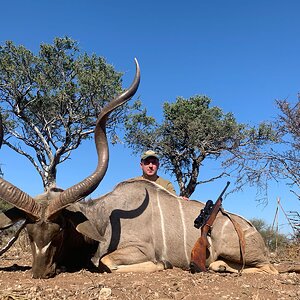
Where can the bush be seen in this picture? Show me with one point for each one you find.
(273, 239)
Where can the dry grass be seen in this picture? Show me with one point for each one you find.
(289, 252)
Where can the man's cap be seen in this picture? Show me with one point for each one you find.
(149, 153)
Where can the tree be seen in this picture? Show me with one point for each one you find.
(278, 161)
(193, 132)
(284, 162)
(50, 101)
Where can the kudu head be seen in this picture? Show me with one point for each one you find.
(45, 221)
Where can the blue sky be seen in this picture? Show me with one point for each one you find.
(241, 54)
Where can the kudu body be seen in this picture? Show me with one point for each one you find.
(143, 227)
(138, 226)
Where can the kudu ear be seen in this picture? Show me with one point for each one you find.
(11, 216)
(87, 229)
(77, 217)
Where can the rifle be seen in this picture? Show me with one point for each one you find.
(205, 220)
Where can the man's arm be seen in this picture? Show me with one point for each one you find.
(170, 188)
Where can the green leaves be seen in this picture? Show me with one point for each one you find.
(50, 100)
(191, 132)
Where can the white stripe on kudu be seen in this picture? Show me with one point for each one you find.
(43, 250)
(225, 224)
(184, 230)
(163, 231)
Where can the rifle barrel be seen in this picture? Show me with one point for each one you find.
(223, 192)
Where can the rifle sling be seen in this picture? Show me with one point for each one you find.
(241, 236)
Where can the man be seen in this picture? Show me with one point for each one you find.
(150, 165)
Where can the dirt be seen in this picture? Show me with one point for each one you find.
(16, 282)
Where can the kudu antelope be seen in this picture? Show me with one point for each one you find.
(138, 226)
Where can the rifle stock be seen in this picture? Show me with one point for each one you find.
(198, 255)
(199, 251)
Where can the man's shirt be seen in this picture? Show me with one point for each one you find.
(166, 184)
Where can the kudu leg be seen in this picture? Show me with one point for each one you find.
(230, 267)
(123, 260)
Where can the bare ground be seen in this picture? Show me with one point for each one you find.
(16, 282)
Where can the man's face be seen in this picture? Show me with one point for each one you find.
(150, 166)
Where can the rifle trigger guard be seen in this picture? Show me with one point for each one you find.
(209, 229)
